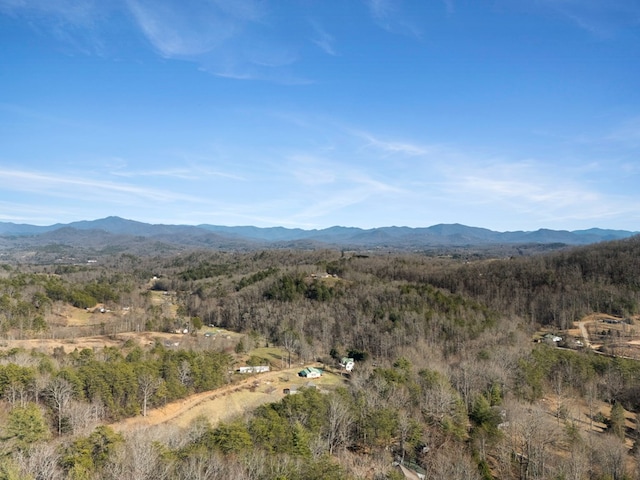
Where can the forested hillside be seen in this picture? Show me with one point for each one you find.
(448, 380)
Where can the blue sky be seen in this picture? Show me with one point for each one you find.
(504, 114)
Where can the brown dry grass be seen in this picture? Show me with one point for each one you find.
(227, 402)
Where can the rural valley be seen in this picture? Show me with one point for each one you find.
(189, 365)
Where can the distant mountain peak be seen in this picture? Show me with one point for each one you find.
(208, 236)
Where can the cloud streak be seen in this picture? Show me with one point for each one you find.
(323, 39)
(603, 19)
(45, 184)
(528, 189)
(391, 16)
(178, 32)
(395, 147)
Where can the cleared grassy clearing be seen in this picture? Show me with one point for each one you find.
(230, 401)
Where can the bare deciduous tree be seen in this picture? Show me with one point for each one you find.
(59, 392)
(609, 455)
(84, 416)
(339, 423)
(15, 393)
(202, 467)
(184, 373)
(532, 437)
(576, 465)
(148, 384)
(441, 466)
(289, 341)
(137, 459)
(40, 461)
(439, 400)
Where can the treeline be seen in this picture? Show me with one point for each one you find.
(107, 384)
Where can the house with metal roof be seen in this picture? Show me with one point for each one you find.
(310, 372)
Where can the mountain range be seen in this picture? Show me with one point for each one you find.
(119, 234)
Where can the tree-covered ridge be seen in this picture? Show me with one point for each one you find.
(558, 288)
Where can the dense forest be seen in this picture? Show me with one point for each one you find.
(448, 381)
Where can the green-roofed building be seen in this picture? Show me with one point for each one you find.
(310, 372)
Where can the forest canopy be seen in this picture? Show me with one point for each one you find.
(453, 375)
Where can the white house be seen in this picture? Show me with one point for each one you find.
(347, 363)
(310, 372)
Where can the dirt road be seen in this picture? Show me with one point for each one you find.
(585, 334)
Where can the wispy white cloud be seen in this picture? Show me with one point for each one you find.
(313, 170)
(310, 171)
(329, 205)
(601, 18)
(46, 184)
(176, 173)
(20, 212)
(245, 10)
(395, 147)
(325, 187)
(36, 115)
(382, 9)
(70, 11)
(173, 164)
(361, 189)
(177, 31)
(392, 16)
(323, 39)
(75, 24)
(193, 172)
(239, 39)
(549, 194)
(628, 133)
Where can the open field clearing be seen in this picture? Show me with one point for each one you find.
(219, 340)
(229, 401)
(74, 328)
(603, 333)
(93, 342)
